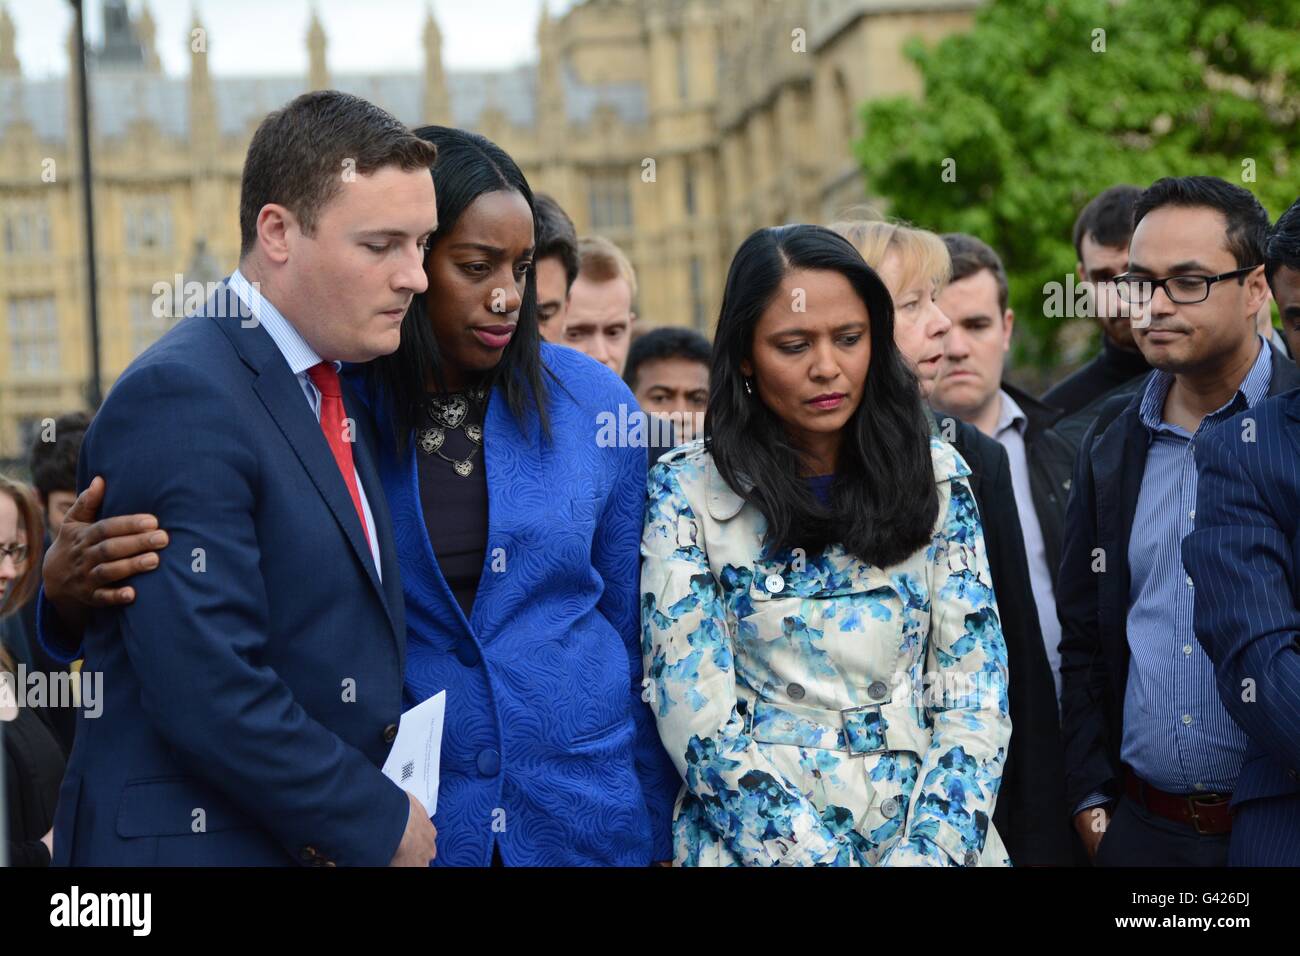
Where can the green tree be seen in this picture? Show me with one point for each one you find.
(1044, 103)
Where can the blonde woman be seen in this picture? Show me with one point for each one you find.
(1030, 813)
(33, 758)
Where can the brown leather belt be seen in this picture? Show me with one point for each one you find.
(1206, 813)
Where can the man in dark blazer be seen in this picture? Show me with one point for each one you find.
(253, 686)
(1030, 814)
(1151, 756)
(1244, 557)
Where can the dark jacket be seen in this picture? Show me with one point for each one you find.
(1111, 368)
(1030, 813)
(34, 766)
(1050, 457)
(1243, 557)
(1093, 605)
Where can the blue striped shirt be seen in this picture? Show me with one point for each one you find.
(1177, 734)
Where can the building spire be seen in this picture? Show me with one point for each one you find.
(318, 77)
(9, 64)
(437, 104)
(146, 31)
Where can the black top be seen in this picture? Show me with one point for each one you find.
(455, 507)
(33, 771)
(1112, 368)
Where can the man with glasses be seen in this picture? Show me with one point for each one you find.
(1151, 754)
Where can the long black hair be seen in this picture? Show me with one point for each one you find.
(468, 165)
(884, 501)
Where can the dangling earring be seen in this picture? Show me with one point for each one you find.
(749, 389)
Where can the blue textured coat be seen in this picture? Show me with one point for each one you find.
(548, 748)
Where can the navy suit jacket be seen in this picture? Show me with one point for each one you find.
(251, 689)
(1244, 557)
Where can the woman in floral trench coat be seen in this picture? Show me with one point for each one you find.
(819, 631)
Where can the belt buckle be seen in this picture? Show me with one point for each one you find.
(864, 735)
(1192, 802)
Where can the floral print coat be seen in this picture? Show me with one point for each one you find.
(822, 711)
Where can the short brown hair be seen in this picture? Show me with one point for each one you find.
(970, 256)
(299, 154)
(602, 261)
(29, 520)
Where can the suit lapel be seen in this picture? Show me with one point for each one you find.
(364, 457)
(1119, 460)
(282, 394)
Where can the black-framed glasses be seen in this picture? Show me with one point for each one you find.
(1182, 290)
(16, 551)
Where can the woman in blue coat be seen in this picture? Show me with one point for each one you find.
(518, 533)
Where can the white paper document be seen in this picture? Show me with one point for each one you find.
(412, 764)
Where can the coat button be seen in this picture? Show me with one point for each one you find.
(971, 858)
(489, 762)
(794, 691)
(307, 854)
(877, 690)
(775, 583)
(467, 652)
(889, 808)
(1293, 775)
(390, 733)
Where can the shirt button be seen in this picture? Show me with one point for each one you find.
(1187, 719)
(1189, 581)
(390, 733)
(1192, 514)
(775, 583)
(795, 691)
(489, 762)
(889, 808)
(1187, 649)
(877, 690)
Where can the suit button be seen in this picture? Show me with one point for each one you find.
(489, 762)
(877, 690)
(390, 733)
(307, 854)
(1293, 775)
(774, 583)
(467, 653)
(889, 808)
(971, 858)
(795, 691)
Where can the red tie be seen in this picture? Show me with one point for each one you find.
(326, 378)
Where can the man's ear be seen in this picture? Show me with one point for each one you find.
(1257, 291)
(275, 226)
(1008, 325)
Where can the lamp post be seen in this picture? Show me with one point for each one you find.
(94, 393)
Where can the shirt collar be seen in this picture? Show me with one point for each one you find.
(1252, 390)
(1011, 416)
(291, 344)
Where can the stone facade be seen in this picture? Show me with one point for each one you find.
(674, 127)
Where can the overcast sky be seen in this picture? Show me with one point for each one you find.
(269, 36)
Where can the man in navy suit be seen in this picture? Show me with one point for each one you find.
(253, 685)
(1244, 556)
